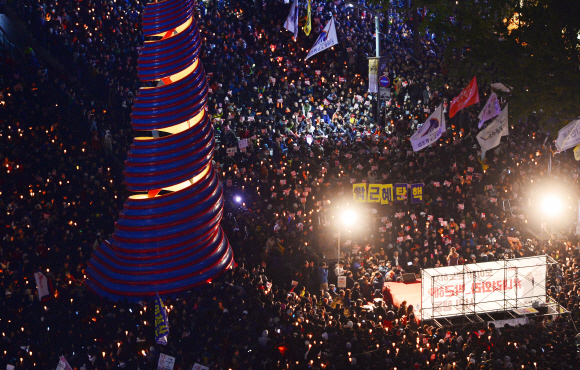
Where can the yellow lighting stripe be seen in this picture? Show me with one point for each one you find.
(178, 29)
(179, 186)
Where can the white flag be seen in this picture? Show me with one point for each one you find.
(326, 39)
(569, 136)
(291, 23)
(501, 87)
(490, 136)
(41, 285)
(63, 364)
(491, 109)
(430, 131)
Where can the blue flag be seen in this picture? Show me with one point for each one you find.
(161, 323)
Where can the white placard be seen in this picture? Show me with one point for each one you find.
(341, 282)
(197, 366)
(242, 143)
(41, 285)
(165, 362)
(482, 287)
(231, 151)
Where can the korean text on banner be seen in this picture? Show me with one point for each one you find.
(400, 192)
(359, 192)
(386, 193)
(467, 97)
(326, 39)
(374, 193)
(377, 193)
(430, 131)
(490, 136)
(416, 193)
(484, 287)
(161, 322)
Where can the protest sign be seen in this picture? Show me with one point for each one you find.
(165, 362)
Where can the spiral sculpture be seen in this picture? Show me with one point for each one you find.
(168, 237)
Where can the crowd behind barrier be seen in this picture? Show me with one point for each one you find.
(310, 136)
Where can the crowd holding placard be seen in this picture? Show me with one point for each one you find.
(294, 138)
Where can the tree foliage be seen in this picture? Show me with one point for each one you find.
(532, 46)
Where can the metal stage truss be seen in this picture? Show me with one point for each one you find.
(510, 290)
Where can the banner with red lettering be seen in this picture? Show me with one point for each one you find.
(469, 96)
(482, 287)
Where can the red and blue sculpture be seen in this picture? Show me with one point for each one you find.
(168, 237)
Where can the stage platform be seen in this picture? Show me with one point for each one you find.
(410, 292)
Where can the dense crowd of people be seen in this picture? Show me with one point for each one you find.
(312, 133)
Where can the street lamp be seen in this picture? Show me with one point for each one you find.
(551, 206)
(376, 13)
(347, 217)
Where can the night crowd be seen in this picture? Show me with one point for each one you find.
(312, 133)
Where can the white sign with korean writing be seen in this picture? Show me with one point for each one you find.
(165, 362)
(482, 287)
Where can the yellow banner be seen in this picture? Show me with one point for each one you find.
(386, 194)
(374, 193)
(359, 192)
(308, 25)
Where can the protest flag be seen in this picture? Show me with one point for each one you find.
(291, 23)
(161, 322)
(308, 25)
(490, 136)
(326, 39)
(469, 96)
(569, 136)
(491, 109)
(41, 285)
(63, 364)
(430, 131)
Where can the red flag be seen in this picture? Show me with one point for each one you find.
(469, 96)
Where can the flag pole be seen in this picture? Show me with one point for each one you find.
(377, 14)
(378, 43)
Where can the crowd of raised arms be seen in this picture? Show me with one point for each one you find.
(312, 133)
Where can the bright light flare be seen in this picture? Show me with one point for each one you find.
(348, 217)
(551, 205)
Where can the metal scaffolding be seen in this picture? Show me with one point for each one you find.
(474, 299)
